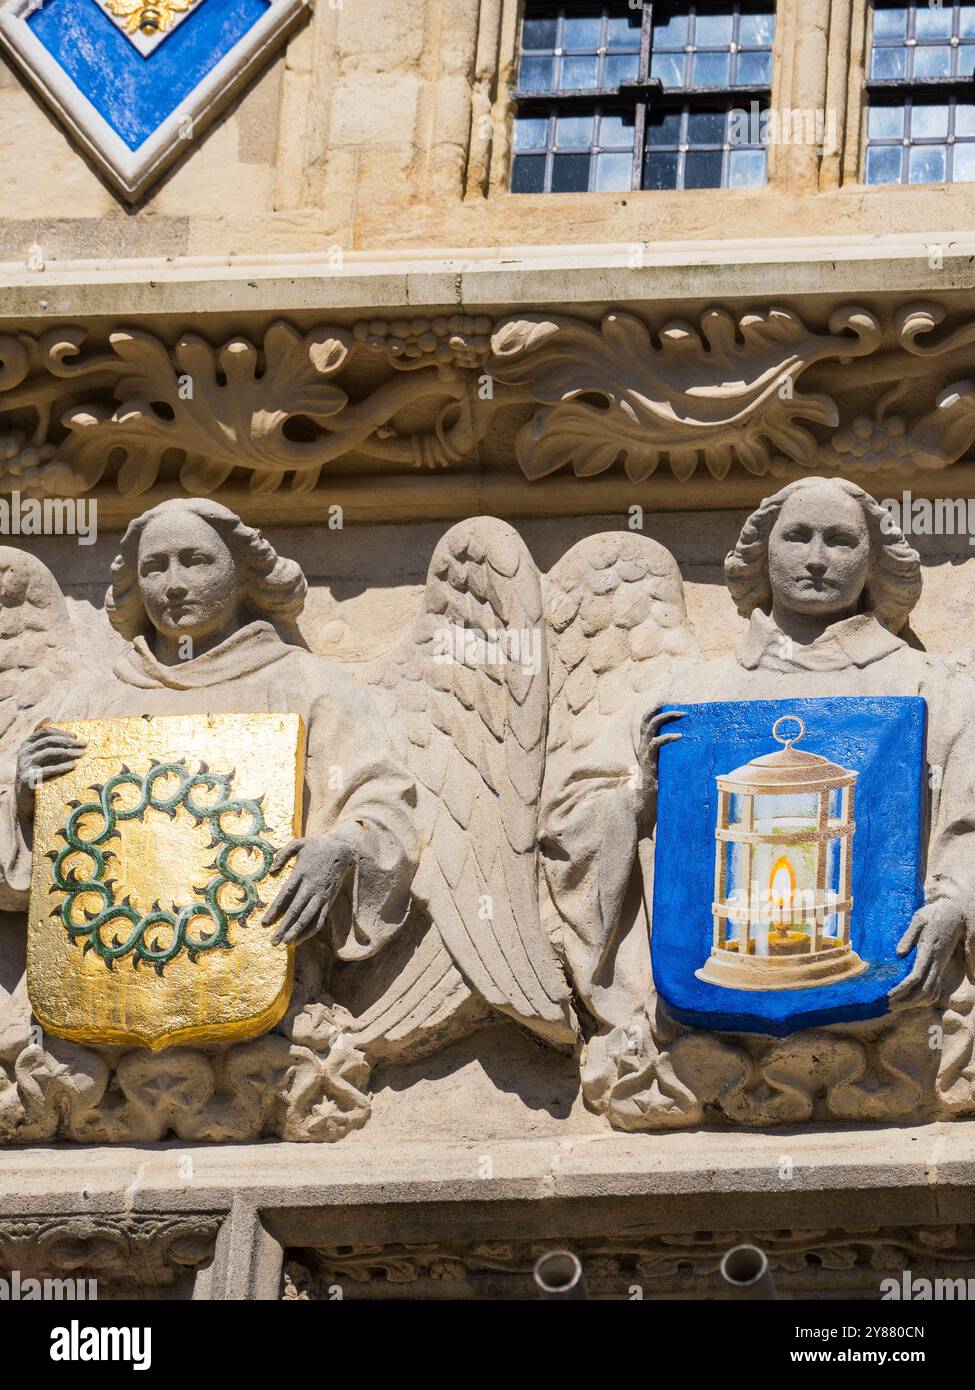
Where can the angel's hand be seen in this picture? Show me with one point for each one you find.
(46, 753)
(935, 930)
(302, 905)
(648, 753)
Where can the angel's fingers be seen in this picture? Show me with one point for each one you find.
(305, 926)
(661, 739)
(51, 770)
(653, 722)
(283, 855)
(56, 753)
(910, 938)
(282, 900)
(301, 906)
(48, 739)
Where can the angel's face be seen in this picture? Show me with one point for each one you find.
(187, 577)
(819, 553)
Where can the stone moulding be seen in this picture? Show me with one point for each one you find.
(150, 1250)
(127, 170)
(721, 397)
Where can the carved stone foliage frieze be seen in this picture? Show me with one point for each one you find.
(767, 391)
(147, 1250)
(658, 1265)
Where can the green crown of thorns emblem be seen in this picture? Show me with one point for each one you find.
(94, 927)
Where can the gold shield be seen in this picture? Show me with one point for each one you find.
(150, 877)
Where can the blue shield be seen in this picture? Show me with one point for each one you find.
(739, 944)
(137, 81)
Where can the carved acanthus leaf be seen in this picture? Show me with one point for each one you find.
(939, 437)
(273, 410)
(224, 407)
(720, 392)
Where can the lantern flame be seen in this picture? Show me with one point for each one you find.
(782, 886)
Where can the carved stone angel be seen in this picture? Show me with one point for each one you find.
(425, 875)
(827, 584)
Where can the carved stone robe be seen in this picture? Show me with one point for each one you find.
(590, 833)
(353, 781)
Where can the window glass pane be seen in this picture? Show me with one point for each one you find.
(705, 127)
(663, 128)
(614, 172)
(966, 22)
(615, 131)
(539, 33)
(884, 164)
(932, 22)
(713, 29)
(531, 132)
(889, 62)
(573, 132)
(889, 23)
(711, 70)
(623, 31)
(702, 169)
(746, 169)
(932, 62)
(579, 73)
(671, 33)
(570, 173)
(581, 31)
(929, 122)
(528, 174)
(536, 74)
(669, 67)
(964, 171)
(755, 28)
(885, 122)
(754, 70)
(964, 119)
(622, 68)
(927, 163)
(660, 171)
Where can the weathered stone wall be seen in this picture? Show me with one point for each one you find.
(385, 127)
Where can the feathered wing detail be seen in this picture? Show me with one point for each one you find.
(618, 629)
(618, 625)
(38, 649)
(468, 696)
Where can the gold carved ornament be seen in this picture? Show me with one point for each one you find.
(155, 18)
(150, 876)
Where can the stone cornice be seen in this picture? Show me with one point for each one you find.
(364, 385)
(493, 279)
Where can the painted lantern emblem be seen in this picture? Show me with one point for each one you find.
(775, 907)
(783, 871)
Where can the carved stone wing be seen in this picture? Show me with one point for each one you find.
(468, 694)
(38, 648)
(618, 623)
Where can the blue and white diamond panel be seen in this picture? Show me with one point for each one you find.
(137, 80)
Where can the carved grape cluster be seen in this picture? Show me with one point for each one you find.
(456, 340)
(874, 444)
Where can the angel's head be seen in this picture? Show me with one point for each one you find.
(824, 549)
(191, 568)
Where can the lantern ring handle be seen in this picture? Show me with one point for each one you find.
(780, 738)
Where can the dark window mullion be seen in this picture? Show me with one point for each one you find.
(640, 116)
